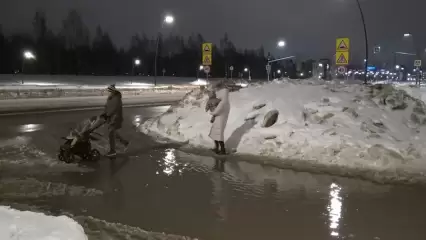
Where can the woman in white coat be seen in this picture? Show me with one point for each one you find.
(221, 113)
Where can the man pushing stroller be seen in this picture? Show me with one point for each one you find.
(113, 115)
(78, 141)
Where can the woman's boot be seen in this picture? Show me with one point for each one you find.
(222, 148)
(216, 149)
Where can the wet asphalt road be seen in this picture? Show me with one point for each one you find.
(159, 188)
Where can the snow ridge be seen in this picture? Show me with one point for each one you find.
(374, 128)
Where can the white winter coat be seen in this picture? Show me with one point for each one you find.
(221, 112)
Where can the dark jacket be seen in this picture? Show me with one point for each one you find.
(114, 110)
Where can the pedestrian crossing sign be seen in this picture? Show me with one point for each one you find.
(342, 58)
(207, 48)
(342, 45)
(207, 60)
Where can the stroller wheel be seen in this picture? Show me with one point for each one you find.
(61, 156)
(95, 155)
(68, 157)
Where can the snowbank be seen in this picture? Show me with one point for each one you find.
(414, 91)
(375, 128)
(26, 225)
(94, 102)
(65, 90)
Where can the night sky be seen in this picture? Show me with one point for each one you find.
(308, 26)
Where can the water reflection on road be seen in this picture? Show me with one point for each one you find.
(163, 189)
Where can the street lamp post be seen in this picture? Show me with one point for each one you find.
(201, 68)
(28, 55)
(167, 20)
(249, 73)
(136, 63)
(366, 42)
(280, 44)
(417, 54)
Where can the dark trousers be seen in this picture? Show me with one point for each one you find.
(112, 135)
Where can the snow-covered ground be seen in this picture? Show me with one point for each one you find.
(66, 103)
(322, 124)
(25, 225)
(64, 86)
(416, 92)
(11, 79)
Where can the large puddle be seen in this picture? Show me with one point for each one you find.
(162, 189)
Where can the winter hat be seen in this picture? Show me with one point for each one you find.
(111, 88)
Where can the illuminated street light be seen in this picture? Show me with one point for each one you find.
(249, 73)
(136, 63)
(397, 67)
(320, 65)
(201, 68)
(279, 71)
(281, 44)
(407, 34)
(168, 19)
(29, 55)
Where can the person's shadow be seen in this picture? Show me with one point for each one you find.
(234, 140)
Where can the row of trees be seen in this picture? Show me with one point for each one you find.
(73, 51)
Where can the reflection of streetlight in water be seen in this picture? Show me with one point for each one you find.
(137, 120)
(335, 209)
(30, 128)
(170, 165)
(169, 162)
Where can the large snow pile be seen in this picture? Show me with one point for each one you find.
(363, 127)
(26, 225)
(414, 91)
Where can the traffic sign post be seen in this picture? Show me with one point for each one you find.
(341, 70)
(207, 71)
(206, 59)
(268, 70)
(231, 68)
(417, 63)
(207, 48)
(342, 45)
(342, 52)
(377, 49)
(342, 58)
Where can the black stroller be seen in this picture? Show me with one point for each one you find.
(82, 147)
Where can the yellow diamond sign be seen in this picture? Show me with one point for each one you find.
(342, 45)
(342, 58)
(207, 48)
(207, 60)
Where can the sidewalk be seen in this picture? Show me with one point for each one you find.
(26, 106)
